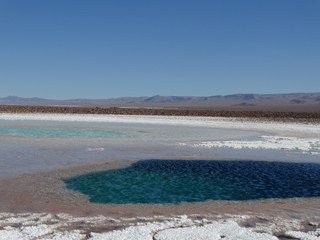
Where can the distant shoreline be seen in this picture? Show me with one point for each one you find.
(282, 116)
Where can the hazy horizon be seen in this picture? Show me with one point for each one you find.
(234, 94)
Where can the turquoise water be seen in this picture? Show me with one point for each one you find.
(61, 132)
(109, 131)
(172, 181)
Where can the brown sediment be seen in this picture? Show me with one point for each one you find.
(281, 115)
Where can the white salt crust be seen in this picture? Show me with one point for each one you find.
(311, 235)
(215, 122)
(28, 226)
(300, 145)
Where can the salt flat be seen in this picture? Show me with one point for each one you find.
(293, 139)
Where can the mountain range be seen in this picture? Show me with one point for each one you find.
(234, 101)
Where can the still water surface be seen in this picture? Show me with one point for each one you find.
(171, 181)
(33, 146)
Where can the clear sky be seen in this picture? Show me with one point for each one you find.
(65, 49)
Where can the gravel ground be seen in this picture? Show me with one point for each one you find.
(284, 116)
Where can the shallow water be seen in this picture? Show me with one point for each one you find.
(171, 181)
(60, 132)
(33, 146)
(32, 165)
(141, 132)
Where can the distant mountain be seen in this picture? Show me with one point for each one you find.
(71, 102)
(230, 101)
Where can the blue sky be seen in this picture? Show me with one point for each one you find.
(67, 49)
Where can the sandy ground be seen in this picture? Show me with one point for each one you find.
(38, 206)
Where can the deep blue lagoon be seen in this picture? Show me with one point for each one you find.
(173, 181)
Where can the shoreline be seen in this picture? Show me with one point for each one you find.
(53, 203)
(46, 195)
(282, 115)
(47, 190)
(194, 121)
(74, 216)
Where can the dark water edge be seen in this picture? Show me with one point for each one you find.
(174, 181)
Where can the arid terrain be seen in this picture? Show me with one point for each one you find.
(283, 115)
(291, 102)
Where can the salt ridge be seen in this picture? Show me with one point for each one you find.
(216, 122)
(301, 145)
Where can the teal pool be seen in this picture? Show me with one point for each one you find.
(61, 132)
(173, 181)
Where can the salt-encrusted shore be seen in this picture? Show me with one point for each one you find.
(214, 122)
(299, 145)
(29, 226)
(283, 114)
(298, 136)
(301, 137)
